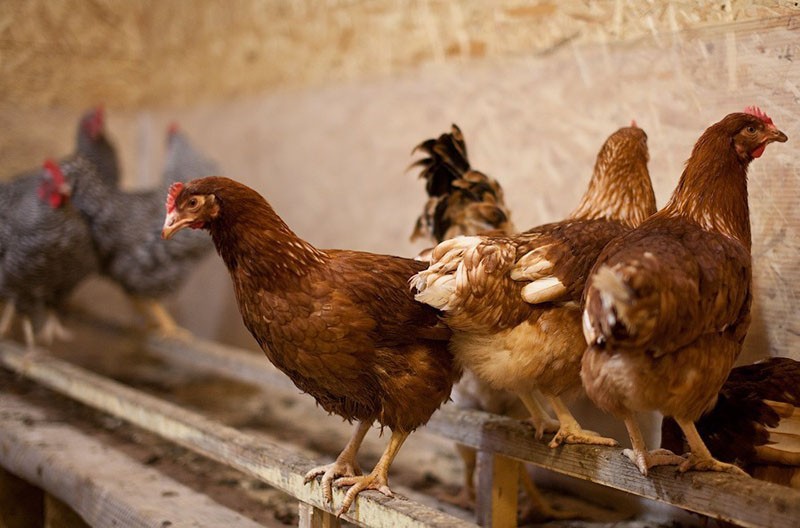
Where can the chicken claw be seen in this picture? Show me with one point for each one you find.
(330, 472)
(377, 480)
(540, 418)
(574, 434)
(700, 463)
(644, 460)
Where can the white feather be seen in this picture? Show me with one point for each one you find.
(543, 290)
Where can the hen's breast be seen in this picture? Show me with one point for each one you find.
(351, 335)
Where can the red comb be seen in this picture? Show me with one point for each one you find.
(633, 123)
(95, 123)
(55, 171)
(174, 190)
(757, 112)
(173, 128)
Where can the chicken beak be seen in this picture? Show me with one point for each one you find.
(172, 224)
(773, 134)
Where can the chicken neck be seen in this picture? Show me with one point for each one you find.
(712, 191)
(253, 240)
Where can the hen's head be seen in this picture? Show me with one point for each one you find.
(54, 188)
(626, 143)
(192, 205)
(751, 131)
(92, 124)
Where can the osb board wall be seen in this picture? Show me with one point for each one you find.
(157, 53)
(331, 158)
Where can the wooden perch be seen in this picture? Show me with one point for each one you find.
(270, 463)
(85, 474)
(740, 500)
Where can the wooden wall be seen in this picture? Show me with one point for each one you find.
(329, 149)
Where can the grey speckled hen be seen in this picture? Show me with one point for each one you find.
(45, 251)
(126, 229)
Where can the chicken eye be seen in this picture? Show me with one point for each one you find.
(192, 202)
(751, 130)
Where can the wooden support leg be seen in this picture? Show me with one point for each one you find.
(59, 515)
(311, 517)
(21, 504)
(498, 486)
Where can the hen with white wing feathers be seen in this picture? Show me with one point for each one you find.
(513, 302)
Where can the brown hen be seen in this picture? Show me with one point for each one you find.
(341, 324)
(668, 304)
(463, 201)
(513, 301)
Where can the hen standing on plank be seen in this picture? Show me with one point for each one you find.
(341, 324)
(668, 304)
(45, 252)
(463, 201)
(513, 301)
(126, 228)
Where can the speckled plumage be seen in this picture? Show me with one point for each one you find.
(126, 230)
(184, 161)
(45, 251)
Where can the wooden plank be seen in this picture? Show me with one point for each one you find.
(740, 500)
(311, 517)
(21, 503)
(84, 474)
(274, 465)
(498, 488)
(745, 501)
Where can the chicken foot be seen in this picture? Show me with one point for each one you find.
(541, 419)
(344, 466)
(570, 431)
(643, 458)
(159, 316)
(700, 458)
(378, 479)
(53, 329)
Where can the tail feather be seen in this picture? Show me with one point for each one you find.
(611, 317)
(461, 201)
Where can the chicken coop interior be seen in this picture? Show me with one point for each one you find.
(323, 107)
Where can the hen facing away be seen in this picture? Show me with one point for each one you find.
(513, 302)
(126, 229)
(668, 304)
(341, 324)
(45, 252)
(754, 422)
(462, 201)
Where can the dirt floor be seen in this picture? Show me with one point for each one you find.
(293, 421)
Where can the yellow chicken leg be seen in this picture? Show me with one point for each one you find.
(539, 508)
(570, 431)
(344, 466)
(541, 419)
(159, 316)
(643, 458)
(700, 458)
(378, 479)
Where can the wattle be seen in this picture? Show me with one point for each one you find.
(758, 151)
